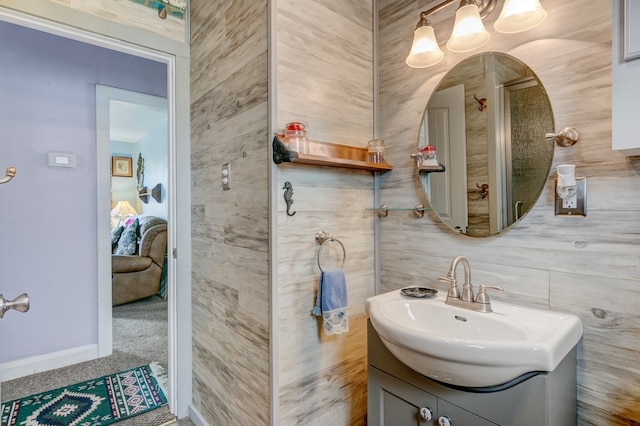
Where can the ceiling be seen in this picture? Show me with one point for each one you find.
(130, 122)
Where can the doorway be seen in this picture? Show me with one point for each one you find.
(76, 188)
(132, 127)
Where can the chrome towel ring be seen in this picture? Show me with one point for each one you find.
(322, 239)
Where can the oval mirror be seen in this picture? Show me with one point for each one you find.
(487, 119)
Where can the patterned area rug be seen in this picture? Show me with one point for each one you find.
(96, 402)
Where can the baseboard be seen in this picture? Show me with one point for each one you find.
(196, 417)
(25, 367)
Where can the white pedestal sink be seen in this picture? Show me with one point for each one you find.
(472, 349)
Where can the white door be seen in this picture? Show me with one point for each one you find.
(448, 190)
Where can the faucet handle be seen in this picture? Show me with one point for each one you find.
(453, 290)
(482, 296)
(448, 280)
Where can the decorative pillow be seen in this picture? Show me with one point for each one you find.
(128, 243)
(115, 236)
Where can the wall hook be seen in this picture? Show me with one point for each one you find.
(482, 102)
(288, 197)
(484, 189)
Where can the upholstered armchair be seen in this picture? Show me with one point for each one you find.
(138, 275)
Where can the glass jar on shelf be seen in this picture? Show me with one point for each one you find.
(375, 151)
(428, 156)
(295, 136)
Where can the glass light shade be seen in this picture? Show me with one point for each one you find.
(468, 31)
(425, 51)
(519, 15)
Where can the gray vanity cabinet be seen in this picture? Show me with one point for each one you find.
(398, 403)
(397, 394)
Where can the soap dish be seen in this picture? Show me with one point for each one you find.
(419, 292)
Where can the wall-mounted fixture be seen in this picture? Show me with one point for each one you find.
(565, 137)
(288, 197)
(10, 173)
(571, 192)
(174, 8)
(482, 102)
(469, 32)
(418, 210)
(484, 189)
(156, 193)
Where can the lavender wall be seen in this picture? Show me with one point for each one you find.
(48, 243)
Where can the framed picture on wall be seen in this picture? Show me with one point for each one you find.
(121, 166)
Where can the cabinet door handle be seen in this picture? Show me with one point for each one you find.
(445, 421)
(426, 414)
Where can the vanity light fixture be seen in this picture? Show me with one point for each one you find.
(469, 32)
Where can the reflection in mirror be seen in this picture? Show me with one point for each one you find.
(496, 157)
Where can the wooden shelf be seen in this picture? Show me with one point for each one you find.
(327, 154)
(431, 169)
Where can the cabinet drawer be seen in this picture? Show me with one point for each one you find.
(393, 402)
(459, 416)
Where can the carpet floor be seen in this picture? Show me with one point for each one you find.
(139, 338)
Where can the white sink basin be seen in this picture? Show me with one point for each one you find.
(472, 349)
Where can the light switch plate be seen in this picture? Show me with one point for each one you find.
(581, 201)
(226, 176)
(61, 160)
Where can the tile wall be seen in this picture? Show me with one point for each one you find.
(324, 78)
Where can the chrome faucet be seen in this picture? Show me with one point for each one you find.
(467, 300)
(467, 289)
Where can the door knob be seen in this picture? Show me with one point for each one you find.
(20, 304)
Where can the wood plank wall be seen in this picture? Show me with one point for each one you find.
(230, 241)
(586, 266)
(131, 14)
(324, 78)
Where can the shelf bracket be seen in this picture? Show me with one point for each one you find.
(280, 152)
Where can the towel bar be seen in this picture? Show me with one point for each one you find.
(322, 239)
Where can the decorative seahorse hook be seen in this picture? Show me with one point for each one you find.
(482, 102)
(11, 172)
(484, 189)
(288, 197)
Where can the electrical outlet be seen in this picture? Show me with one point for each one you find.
(570, 203)
(226, 176)
(576, 206)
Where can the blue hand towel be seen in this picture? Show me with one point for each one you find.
(331, 303)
